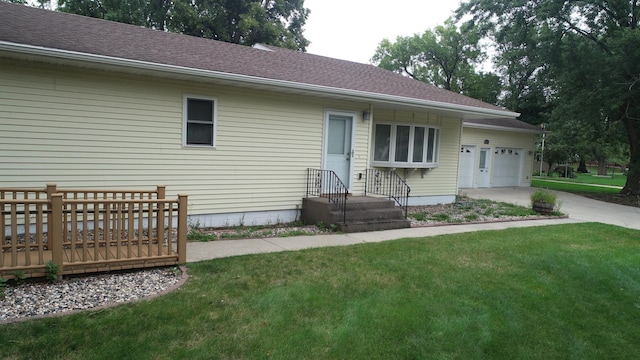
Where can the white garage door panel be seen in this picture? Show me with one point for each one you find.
(507, 167)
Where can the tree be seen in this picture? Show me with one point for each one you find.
(445, 57)
(610, 31)
(247, 22)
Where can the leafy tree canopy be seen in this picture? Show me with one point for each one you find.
(581, 55)
(273, 22)
(445, 57)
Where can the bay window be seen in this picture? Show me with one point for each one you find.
(409, 146)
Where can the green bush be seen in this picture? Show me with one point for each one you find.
(544, 196)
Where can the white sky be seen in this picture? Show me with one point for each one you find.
(352, 29)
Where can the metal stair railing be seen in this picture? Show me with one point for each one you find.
(388, 183)
(325, 183)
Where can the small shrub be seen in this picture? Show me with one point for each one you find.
(471, 217)
(543, 201)
(421, 216)
(441, 217)
(195, 233)
(543, 196)
(3, 285)
(488, 212)
(51, 270)
(20, 276)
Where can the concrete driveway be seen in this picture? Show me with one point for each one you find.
(577, 207)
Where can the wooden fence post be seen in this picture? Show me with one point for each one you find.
(161, 191)
(182, 228)
(56, 234)
(160, 220)
(50, 190)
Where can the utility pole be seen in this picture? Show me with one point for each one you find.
(542, 151)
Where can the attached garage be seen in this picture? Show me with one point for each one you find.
(496, 153)
(507, 166)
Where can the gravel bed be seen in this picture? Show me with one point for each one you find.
(462, 212)
(36, 299)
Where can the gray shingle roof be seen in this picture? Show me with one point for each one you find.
(60, 31)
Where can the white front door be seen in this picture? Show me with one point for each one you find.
(483, 168)
(465, 168)
(338, 145)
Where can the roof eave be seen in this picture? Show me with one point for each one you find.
(181, 70)
(501, 128)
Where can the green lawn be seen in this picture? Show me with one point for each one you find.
(569, 186)
(570, 291)
(618, 179)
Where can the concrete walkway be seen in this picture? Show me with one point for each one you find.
(578, 208)
(197, 251)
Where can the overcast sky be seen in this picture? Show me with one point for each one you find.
(352, 29)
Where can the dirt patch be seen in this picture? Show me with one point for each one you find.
(614, 198)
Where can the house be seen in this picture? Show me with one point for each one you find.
(86, 102)
(496, 153)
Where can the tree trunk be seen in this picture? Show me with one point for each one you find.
(582, 168)
(602, 166)
(550, 169)
(632, 187)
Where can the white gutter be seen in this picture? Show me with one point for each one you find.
(181, 70)
(503, 128)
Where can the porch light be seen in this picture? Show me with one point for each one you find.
(366, 115)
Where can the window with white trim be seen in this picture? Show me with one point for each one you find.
(199, 121)
(408, 146)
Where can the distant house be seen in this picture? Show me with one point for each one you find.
(496, 153)
(92, 103)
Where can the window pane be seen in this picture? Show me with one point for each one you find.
(199, 134)
(337, 133)
(436, 145)
(483, 159)
(201, 110)
(418, 144)
(432, 145)
(382, 142)
(402, 143)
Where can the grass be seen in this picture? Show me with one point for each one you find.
(618, 179)
(569, 186)
(570, 291)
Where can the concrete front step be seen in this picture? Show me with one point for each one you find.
(367, 215)
(362, 214)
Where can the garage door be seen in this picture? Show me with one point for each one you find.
(465, 169)
(507, 167)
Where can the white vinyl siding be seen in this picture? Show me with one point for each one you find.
(80, 128)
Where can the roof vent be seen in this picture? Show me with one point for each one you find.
(261, 47)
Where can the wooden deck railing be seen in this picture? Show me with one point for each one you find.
(83, 230)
